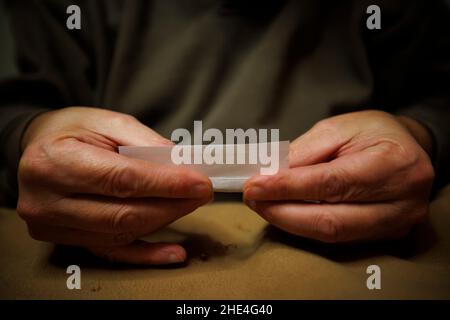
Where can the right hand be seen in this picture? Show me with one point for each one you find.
(75, 189)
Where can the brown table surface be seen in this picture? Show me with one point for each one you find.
(234, 254)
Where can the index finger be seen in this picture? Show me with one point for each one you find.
(363, 176)
(77, 167)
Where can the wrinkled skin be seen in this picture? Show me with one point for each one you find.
(368, 173)
(75, 189)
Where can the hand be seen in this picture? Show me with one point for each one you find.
(75, 189)
(368, 171)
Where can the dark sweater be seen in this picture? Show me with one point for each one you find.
(233, 64)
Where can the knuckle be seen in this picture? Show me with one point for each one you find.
(329, 128)
(428, 171)
(418, 170)
(34, 165)
(416, 165)
(323, 124)
(125, 219)
(424, 173)
(327, 227)
(26, 167)
(400, 157)
(120, 120)
(130, 118)
(27, 210)
(333, 186)
(395, 154)
(122, 182)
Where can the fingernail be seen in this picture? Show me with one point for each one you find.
(173, 258)
(254, 192)
(201, 190)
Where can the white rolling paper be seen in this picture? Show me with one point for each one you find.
(224, 177)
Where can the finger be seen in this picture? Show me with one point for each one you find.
(113, 215)
(364, 176)
(143, 253)
(74, 167)
(75, 237)
(334, 223)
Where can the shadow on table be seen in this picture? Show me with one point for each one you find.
(199, 247)
(204, 247)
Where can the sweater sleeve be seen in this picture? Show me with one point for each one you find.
(410, 59)
(53, 69)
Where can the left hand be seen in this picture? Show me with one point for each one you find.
(368, 169)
